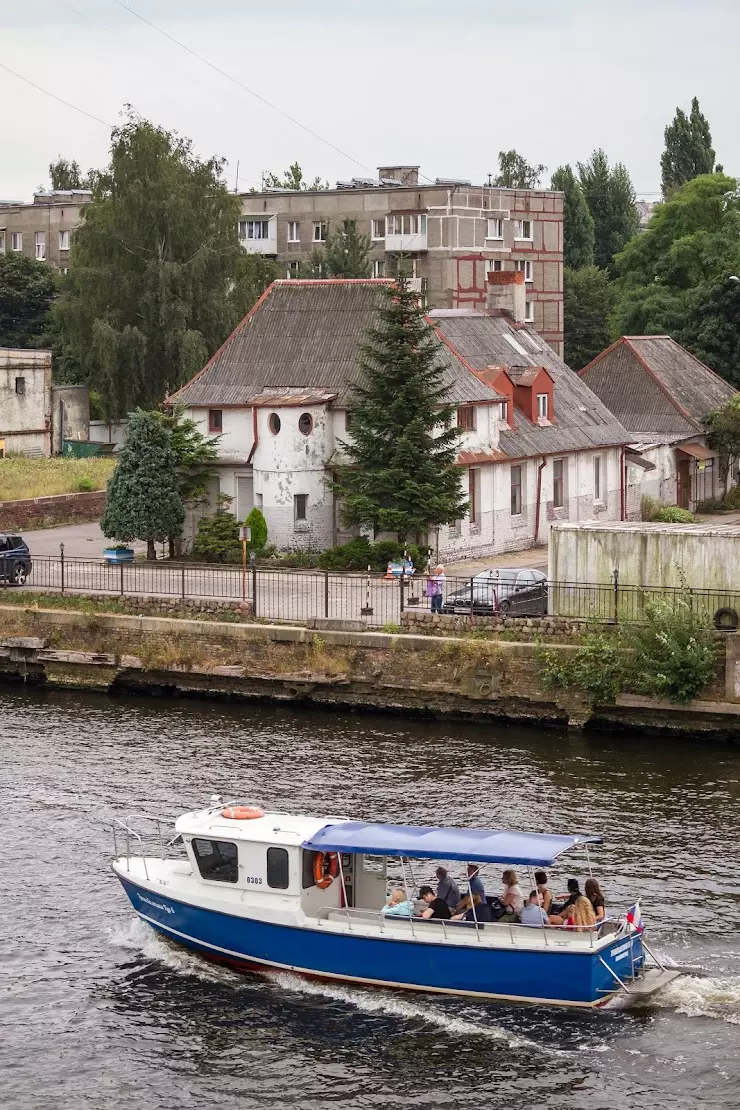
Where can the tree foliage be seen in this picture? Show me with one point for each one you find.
(257, 526)
(217, 536)
(611, 201)
(292, 179)
(723, 428)
(345, 254)
(157, 277)
(401, 475)
(143, 499)
(515, 172)
(688, 149)
(589, 300)
(579, 228)
(27, 290)
(64, 174)
(674, 278)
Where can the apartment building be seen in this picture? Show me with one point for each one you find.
(451, 235)
(44, 228)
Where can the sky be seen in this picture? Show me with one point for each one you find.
(445, 84)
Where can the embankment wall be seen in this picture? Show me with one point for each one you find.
(46, 512)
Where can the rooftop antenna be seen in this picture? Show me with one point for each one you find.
(236, 187)
(489, 181)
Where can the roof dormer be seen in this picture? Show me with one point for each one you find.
(533, 393)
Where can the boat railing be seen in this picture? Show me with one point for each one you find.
(515, 929)
(125, 828)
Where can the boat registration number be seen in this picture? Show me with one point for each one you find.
(253, 880)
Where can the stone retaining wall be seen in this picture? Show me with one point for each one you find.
(46, 512)
(424, 623)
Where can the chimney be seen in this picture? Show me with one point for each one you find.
(506, 294)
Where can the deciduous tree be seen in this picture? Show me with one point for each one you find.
(579, 230)
(688, 149)
(292, 179)
(345, 253)
(611, 201)
(723, 427)
(157, 277)
(143, 501)
(68, 175)
(589, 298)
(27, 290)
(515, 172)
(401, 475)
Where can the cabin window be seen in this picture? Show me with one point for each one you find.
(217, 860)
(308, 860)
(278, 876)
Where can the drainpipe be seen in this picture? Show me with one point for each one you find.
(622, 490)
(540, 468)
(255, 436)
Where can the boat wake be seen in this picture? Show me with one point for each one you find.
(139, 937)
(695, 996)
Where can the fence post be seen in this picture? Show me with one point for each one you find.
(254, 589)
(182, 580)
(616, 595)
(326, 594)
(121, 565)
(400, 586)
(471, 599)
(61, 562)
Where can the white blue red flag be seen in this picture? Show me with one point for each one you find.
(634, 917)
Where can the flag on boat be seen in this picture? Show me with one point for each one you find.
(634, 917)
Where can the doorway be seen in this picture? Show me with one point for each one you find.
(683, 484)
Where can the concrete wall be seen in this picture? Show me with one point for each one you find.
(647, 554)
(50, 215)
(25, 401)
(70, 414)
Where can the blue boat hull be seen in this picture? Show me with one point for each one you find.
(554, 977)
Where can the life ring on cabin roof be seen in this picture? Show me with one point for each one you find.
(325, 869)
(242, 813)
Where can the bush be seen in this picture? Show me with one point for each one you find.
(359, 553)
(258, 525)
(730, 503)
(217, 538)
(597, 667)
(657, 511)
(85, 485)
(674, 654)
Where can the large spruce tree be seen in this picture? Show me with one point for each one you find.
(401, 475)
(611, 201)
(578, 232)
(143, 501)
(688, 149)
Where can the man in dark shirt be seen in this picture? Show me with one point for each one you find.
(447, 888)
(436, 907)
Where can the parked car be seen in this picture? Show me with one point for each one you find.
(517, 592)
(15, 560)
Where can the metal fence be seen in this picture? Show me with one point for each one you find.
(301, 595)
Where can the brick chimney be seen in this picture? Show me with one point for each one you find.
(506, 294)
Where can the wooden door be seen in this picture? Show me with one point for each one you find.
(683, 484)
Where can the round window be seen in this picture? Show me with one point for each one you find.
(274, 423)
(305, 423)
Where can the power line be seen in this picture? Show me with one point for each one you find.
(239, 85)
(54, 96)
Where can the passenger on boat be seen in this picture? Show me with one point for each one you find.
(436, 907)
(512, 897)
(533, 913)
(447, 889)
(397, 905)
(596, 898)
(581, 916)
(540, 877)
(474, 909)
(475, 883)
(559, 910)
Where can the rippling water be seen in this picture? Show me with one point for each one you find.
(99, 1012)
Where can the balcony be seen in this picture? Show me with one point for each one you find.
(259, 236)
(406, 233)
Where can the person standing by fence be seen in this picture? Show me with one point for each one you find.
(435, 588)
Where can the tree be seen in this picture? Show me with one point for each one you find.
(401, 475)
(143, 500)
(344, 254)
(195, 455)
(579, 230)
(64, 174)
(157, 277)
(257, 526)
(589, 299)
(611, 202)
(723, 435)
(674, 278)
(514, 172)
(688, 149)
(27, 290)
(292, 179)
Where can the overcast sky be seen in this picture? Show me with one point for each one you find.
(443, 83)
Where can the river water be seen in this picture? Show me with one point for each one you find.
(96, 1011)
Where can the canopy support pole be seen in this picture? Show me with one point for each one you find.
(472, 903)
(406, 888)
(344, 890)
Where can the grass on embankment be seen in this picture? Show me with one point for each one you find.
(22, 478)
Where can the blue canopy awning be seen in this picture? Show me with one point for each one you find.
(426, 842)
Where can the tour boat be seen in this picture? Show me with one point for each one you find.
(266, 891)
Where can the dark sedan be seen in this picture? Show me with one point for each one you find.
(517, 593)
(15, 560)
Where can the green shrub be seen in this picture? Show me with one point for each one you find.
(730, 503)
(657, 511)
(359, 553)
(217, 538)
(391, 628)
(85, 485)
(674, 654)
(597, 667)
(258, 525)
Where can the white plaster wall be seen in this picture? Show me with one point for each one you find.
(28, 413)
(237, 436)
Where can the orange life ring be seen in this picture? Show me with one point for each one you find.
(325, 869)
(242, 813)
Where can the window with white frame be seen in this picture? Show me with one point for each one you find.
(294, 231)
(494, 265)
(529, 312)
(379, 268)
(293, 270)
(503, 412)
(40, 246)
(494, 228)
(378, 229)
(2, 242)
(522, 229)
(410, 223)
(16, 241)
(319, 231)
(542, 406)
(598, 478)
(63, 240)
(255, 229)
(525, 266)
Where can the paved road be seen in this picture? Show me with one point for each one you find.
(84, 541)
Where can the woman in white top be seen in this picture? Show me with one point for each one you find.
(512, 897)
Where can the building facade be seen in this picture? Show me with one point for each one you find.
(43, 229)
(36, 416)
(537, 446)
(450, 234)
(661, 393)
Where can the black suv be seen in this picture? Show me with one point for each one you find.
(15, 560)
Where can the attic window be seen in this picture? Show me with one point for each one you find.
(305, 423)
(542, 406)
(466, 418)
(503, 412)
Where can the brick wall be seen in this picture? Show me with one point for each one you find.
(45, 512)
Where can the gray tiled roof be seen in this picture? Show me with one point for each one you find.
(304, 336)
(582, 421)
(654, 386)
